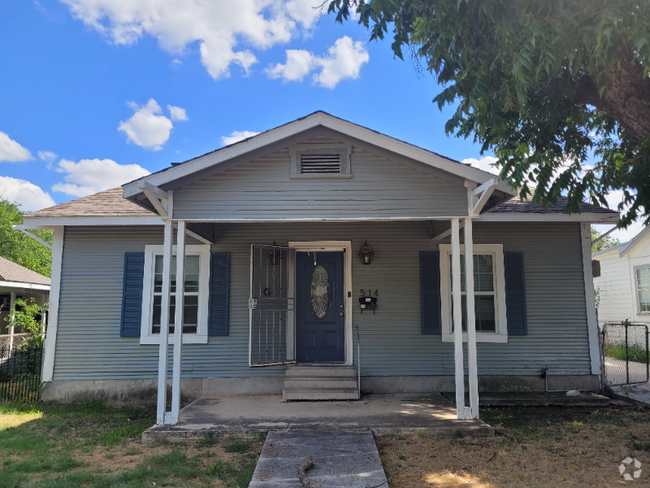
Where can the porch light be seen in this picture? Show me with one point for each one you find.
(366, 253)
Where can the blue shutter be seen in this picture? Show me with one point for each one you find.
(219, 285)
(132, 294)
(515, 293)
(430, 292)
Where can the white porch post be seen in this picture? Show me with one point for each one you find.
(471, 321)
(458, 318)
(12, 315)
(164, 323)
(178, 321)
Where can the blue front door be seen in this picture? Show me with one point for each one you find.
(320, 318)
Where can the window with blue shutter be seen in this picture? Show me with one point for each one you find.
(132, 294)
(430, 292)
(219, 294)
(515, 293)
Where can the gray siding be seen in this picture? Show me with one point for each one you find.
(261, 189)
(89, 345)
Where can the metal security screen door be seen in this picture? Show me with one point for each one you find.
(271, 306)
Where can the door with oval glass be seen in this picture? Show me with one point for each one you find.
(320, 307)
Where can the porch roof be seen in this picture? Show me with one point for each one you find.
(14, 276)
(111, 208)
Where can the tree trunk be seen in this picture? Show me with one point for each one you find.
(627, 97)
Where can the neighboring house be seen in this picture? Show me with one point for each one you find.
(293, 237)
(16, 282)
(624, 281)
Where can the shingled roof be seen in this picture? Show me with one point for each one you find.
(517, 206)
(10, 271)
(109, 203)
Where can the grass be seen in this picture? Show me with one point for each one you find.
(94, 445)
(636, 353)
(553, 446)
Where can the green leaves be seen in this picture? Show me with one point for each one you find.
(18, 247)
(529, 74)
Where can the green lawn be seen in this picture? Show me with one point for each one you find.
(91, 444)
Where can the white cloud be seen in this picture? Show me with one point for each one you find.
(237, 136)
(30, 196)
(11, 151)
(47, 156)
(484, 163)
(177, 113)
(342, 61)
(147, 128)
(623, 235)
(299, 64)
(219, 26)
(95, 175)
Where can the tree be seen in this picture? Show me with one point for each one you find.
(18, 247)
(605, 243)
(543, 83)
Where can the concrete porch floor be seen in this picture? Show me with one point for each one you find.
(383, 414)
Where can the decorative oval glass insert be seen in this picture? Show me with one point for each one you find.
(320, 291)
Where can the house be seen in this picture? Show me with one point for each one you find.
(324, 244)
(624, 281)
(16, 282)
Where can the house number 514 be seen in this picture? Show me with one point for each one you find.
(370, 293)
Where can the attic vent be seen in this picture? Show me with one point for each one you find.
(320, 163)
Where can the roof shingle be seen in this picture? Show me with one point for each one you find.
(109, 203)
(10, 271)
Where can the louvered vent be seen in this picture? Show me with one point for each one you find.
(320, 163)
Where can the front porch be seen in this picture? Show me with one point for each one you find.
(250, 415)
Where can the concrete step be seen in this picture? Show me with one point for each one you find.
(320, 382)
(320, 394)
(317, 371)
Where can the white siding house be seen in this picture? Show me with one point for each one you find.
(624, 281)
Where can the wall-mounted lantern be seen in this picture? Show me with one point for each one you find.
(366, 254)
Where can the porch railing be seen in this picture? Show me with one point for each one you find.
(356, 331)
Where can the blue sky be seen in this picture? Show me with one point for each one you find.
(98, 92)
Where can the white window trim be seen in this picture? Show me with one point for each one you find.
(501, 334)
(201, 335)
(637, 298)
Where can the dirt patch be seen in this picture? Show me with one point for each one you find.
(569, 454)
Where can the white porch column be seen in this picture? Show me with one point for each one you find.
(12, 315)
(471, 322)
(178, 321)
(458, 318)
(164, 323)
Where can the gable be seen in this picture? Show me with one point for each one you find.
(278, 138)
(379, 186)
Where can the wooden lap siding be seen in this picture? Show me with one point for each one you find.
(261, 189)
(89, 345)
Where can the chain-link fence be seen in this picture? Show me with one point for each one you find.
(624, 349)
(7, 342)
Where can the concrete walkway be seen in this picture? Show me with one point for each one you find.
(382, 414)
(341, 460)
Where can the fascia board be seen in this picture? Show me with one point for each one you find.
(37, 223)
(293, 128)
(594, 218)
(24, 286)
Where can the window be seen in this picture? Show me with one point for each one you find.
(643, 288)
(312, 161)
(489, 293)
(191, 295)
(196, 295)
